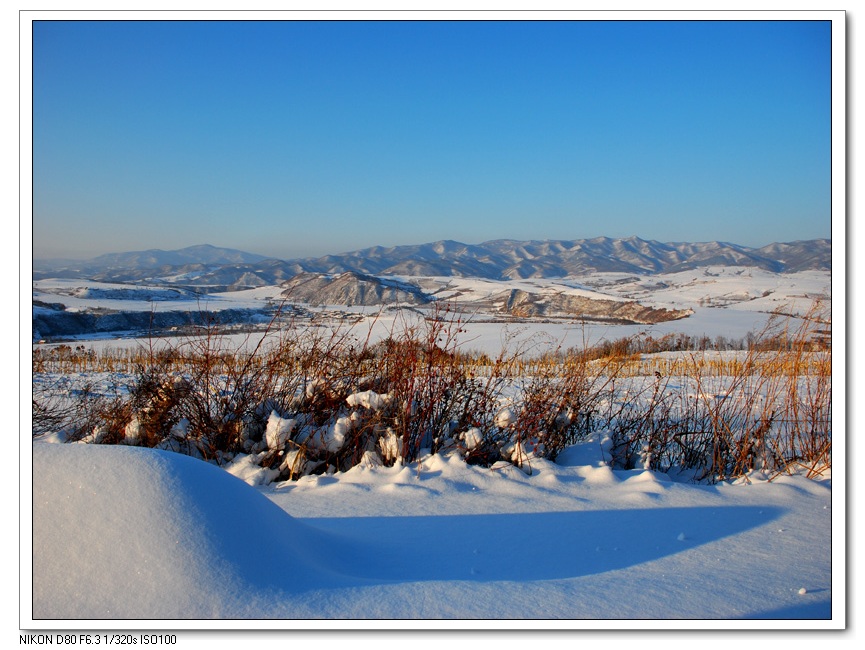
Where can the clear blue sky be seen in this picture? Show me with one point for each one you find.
(295, 139)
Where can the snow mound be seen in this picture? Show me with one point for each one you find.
(125, 532)
(128, 532)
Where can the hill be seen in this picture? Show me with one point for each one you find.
(208, 268)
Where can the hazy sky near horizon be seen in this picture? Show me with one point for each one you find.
(302, 138)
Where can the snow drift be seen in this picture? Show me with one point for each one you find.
(133, 533)
(129, 532)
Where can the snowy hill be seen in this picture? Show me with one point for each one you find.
(148, 535)
(226, 269)
(509, 259)
(350, 289)
(203, 255)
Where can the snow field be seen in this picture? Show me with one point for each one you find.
(123, 532)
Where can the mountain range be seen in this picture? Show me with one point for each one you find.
(210, 268)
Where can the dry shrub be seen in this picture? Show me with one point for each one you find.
(770, 410)
(303, 399)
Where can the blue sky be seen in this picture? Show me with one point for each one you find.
(297, 139)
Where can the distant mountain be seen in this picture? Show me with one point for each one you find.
(203, 254)
(210, 268)
(509, 259)
(800, 255)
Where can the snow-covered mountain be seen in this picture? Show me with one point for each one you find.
(510, 259)
(214, 269)
(202, 255)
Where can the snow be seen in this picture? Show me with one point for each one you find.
(121, 532)
(459, 289)
(505, 418)
(132, 533)
(472, 438)
(726, 301)
(81, 295)
(368, 399)
(278, 430)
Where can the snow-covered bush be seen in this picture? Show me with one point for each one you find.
(388, 444)
(368, 399)
(472, 438)
(278, 430)
(132, 432)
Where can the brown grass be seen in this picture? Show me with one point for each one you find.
(718, 416)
